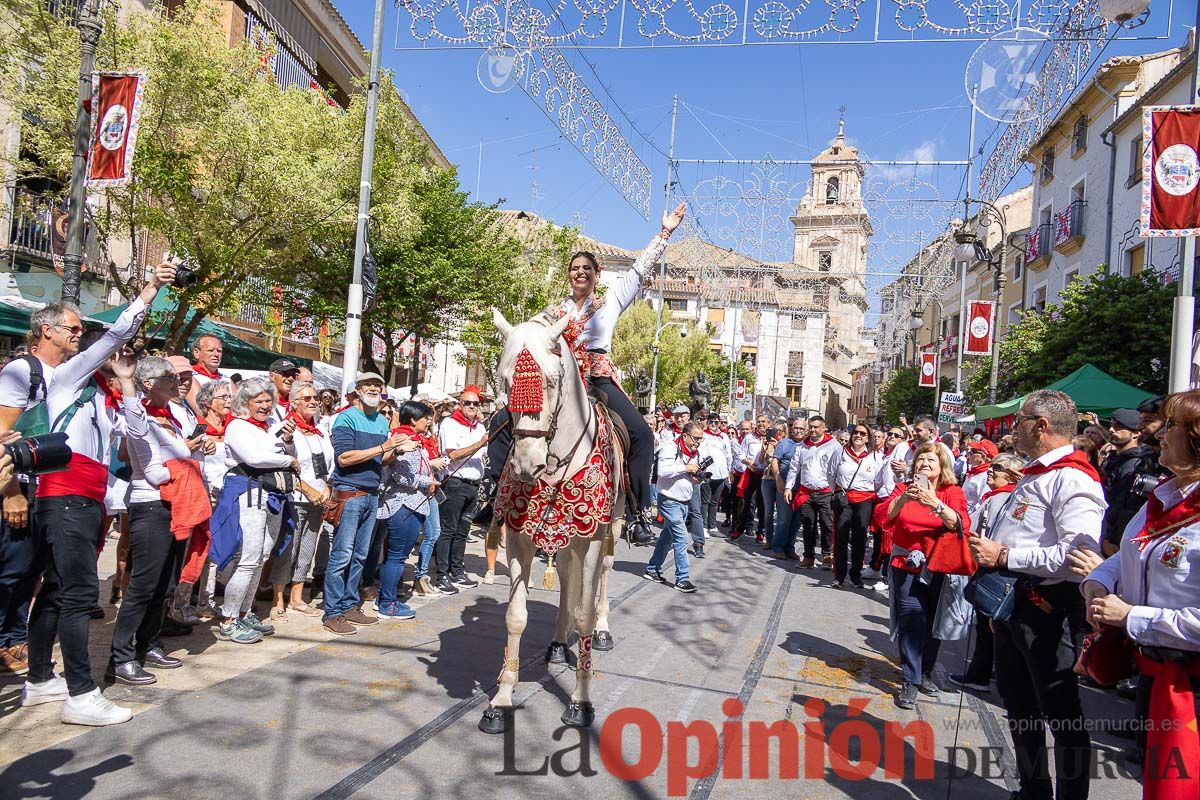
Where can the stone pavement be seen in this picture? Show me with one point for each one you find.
(391, 712)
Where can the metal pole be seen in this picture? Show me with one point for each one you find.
(662, 264)
(1184, 311)
(354, 297)
(937, 357)
(997, 294)
(415, 380)
(962, 280)
(90, 27)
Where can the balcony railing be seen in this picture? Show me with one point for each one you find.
(39, 230)
(1038, 243)
(1068, 227)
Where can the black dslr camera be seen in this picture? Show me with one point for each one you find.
(185, 277)
(39, 454)
(704, 464)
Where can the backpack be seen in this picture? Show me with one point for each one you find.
(85, 398)
(34, 420)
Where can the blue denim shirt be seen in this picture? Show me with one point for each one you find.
(784, 450)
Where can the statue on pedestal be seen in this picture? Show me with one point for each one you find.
(701, 392)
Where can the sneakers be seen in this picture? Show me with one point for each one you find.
(489, 577)
(735, 535)
(355, 616)
(206, 613)
(238, 632)
(653, 575)
(760, 538)
(425, 588)
(94, 709)
(339, 625)
(446, 587)
(14, 660)
(685, 586)
(257, 624)
(395, 610)
(880, 587)
(51, 691)
(970, 682)
(463, 582)
(929, 686)
(699, 551)
(807, 562)
(184, 616)
(827, 561)
(907, 698)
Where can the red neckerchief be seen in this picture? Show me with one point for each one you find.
(954, 451)
(461, 418)
(887, 451)
(810, 443)
(683, 448)
(219, 430)
(200, 369)
(855, 456)
(1161, 521)
(977, 469)
(161, 412)
(711, 432)
(1005, 489)
(430, 443)
(262, 426)
(1076, 460)
(112, 394)
(286, 404)
(426, 440)
(304, 424)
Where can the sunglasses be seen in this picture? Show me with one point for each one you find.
(74, 330)
(894, 435)
(470, 402)
(861, 433)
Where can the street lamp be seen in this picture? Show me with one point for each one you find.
(989, 214)
(654, 368)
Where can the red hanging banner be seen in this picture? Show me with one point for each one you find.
(979, 328)
(1171, 171)
(116, 116)
(928, 370)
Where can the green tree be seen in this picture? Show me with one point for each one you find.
(902, 395)
(679, 357)
(1119, 324)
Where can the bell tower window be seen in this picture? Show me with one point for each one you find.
(832, 191)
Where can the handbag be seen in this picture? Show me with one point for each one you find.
(951, 555)
(333, 511)
(277, 481)
(1106, 656)
(993, 592)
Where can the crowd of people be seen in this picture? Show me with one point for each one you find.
(223, 491)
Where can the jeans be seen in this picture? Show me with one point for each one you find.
(347, 553)
(850, 536)
(19, 562)
(457, 511)
(155, 558)
(433, 531)
(710, 498)
(403, 528)
(816, 516)
(916, 605)
(695, 517)
(674, 534)
(370, 566)
(768, 491)
(69, 532)
(1035, 656)
(784, 540)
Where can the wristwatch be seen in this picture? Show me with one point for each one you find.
(940, 508)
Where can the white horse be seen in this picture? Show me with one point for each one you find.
(562, 486)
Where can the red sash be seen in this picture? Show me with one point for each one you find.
(859, 496)
(83, 477)
(1172, 745)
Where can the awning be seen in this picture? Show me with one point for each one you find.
(237, 353)
(14, 321)
(1092, 389)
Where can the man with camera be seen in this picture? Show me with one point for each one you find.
(678, 475)
(1131, 472)
(83, 402)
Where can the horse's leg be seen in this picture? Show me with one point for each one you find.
(497, 718)
(568, 587)
(602, 640)
(588, 554)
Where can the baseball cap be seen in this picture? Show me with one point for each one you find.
(180, 364)
(363, 377)
(1127, 418)
(282, 365)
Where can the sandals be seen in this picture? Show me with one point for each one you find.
(306, 610)
(278, 614)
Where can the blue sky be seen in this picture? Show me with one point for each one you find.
(903, 100)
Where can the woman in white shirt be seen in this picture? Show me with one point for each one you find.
(254, 505)
(1151, 590)
(155, 555)
(314, 451)
(854, 471)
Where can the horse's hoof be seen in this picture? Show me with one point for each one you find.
(579, 715)
(496, 720)
(602, 641)
(558, 653)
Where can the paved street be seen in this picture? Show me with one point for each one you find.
(392, 711)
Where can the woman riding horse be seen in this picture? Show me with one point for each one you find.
(590, 333)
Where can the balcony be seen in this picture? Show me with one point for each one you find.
(39, 234)
(1039, 246)
(1068, 227)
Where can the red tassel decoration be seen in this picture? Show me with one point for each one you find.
(526, 394)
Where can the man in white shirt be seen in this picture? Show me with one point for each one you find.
(1057, 507)
(678, 467)
(752, 475)
(811, 476)
(205, 366)
(979, 459)
(462, 437)
(283, 373)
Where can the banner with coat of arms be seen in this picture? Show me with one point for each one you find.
(116, 113)
(979, 328)
(1171, 171)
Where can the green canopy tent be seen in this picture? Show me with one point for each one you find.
(237, 353)
(14, 320)
(1090, 387)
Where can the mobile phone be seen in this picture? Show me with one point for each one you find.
(922, 480)
(200, 430)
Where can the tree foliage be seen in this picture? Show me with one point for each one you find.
(902, 396)
(1119, 324)
(679, 357)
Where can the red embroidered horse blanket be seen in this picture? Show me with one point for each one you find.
(553, 513)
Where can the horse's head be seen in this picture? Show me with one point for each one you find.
(534, 369)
